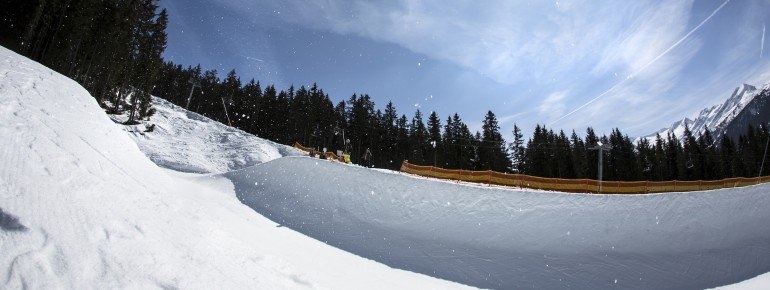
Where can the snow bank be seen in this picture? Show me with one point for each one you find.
(82, 207)
(498, 238)
(759, 282)
(189, 142)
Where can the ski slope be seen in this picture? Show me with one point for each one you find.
(81, 207)
(499, 238)
(188, 142)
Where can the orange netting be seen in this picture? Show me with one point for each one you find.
(578, 185)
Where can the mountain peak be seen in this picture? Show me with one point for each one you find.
(715, 118)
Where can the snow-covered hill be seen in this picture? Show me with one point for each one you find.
(716, 118)
(188, 142)
(81, 207)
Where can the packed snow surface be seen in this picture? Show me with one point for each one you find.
(498, 238)
(759, 282)
(81, 207)
(188, 142)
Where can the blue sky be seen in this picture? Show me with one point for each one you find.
(635, 65)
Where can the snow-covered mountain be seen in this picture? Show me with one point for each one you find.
(719, 118)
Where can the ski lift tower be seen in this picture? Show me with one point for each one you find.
(338, 131)
(762, 167)
(600, 149)
(192, 89)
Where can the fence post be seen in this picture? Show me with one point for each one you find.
(646, 186)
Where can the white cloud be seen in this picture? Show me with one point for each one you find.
(554, 105)
(648, 36)
(508, 41)
(576, 46)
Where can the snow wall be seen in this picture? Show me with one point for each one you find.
(189, 142)
(502, 238)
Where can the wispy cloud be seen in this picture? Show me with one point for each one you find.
(641, 54)
(762, 45)
(553, 106)
(620, 63)
(508, 41)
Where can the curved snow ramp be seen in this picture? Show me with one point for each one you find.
(579, 185)
(507, 238)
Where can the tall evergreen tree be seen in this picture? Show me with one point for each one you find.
(517, 151)
(592, 156)
(579, 157)
(537, 159)
(692, 155)
(492, 150)
(646, 162)
(418, 140)
(434, 138)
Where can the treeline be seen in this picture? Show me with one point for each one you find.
(663, 158)
(308, 116)
(111, 47)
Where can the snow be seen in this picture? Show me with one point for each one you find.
(188, 142)
(498, 238)
(759, 282)
(83, 207)
(715, 118)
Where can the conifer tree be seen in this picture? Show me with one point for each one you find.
(692, 154)
(492, 148)
(592, 155)
(390, 137)
(517, 151)
(537, 159)
(434, 135)
(418, 140)
(579, 157)
(562, 153)
(646, 159)
(449, 140)
(708, 157)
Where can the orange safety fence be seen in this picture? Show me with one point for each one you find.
(329, 155)
(578, 185)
